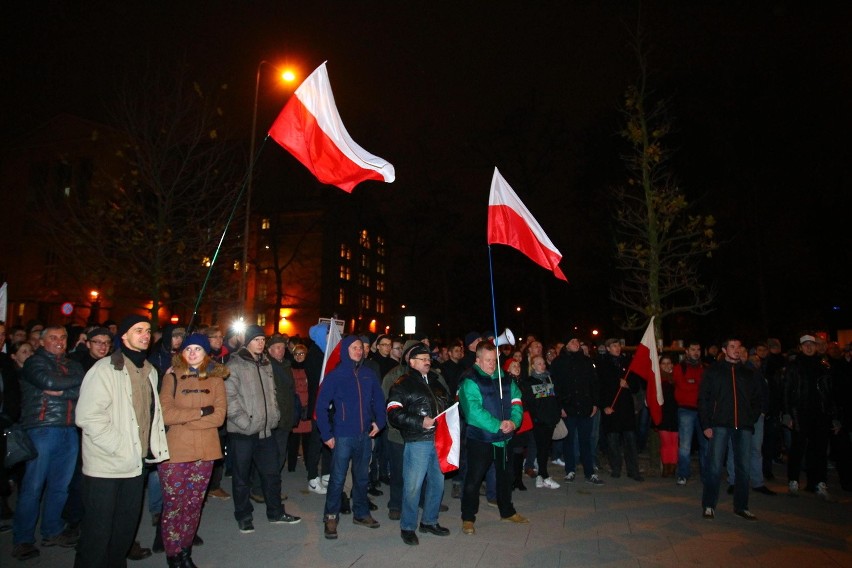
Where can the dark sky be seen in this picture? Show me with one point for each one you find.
(448, 90)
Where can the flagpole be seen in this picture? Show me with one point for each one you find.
(494, 315)
(222, 239)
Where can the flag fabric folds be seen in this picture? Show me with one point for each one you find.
(331, 355)
(510, 223)
(646, 364)
(310, 128)
(448, 438)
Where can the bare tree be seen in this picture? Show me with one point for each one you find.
(158, 217)
(659, 241)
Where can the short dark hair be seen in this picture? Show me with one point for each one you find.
(483, 346)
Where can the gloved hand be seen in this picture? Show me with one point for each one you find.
(206, 410)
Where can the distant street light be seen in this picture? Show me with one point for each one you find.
(287, 76)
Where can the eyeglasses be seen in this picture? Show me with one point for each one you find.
(298, 353)
(99, 342)
(384, 344)
(397, 348)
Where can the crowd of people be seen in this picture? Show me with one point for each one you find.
(114, 408)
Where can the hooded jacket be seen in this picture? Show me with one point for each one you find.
(353, 391)
(252, 407)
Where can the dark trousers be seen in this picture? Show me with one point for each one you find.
(543, 436)
(262, 453)
(813, 445)
(317, 451)
(379, 467)
(281, 437)
(396, 453)
(615, 441)
(480, 456)
(296, 440)
(219, 466)
(113, 507)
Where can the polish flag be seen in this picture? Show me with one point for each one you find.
(310, 128)
(646, 364)
(331, 353)
(510, 223)
(448, 438)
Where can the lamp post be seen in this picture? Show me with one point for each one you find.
(286, 76)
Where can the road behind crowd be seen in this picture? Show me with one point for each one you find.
(623, 523)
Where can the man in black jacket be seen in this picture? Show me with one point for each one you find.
(728, 406)
(576, 385)
(413, 403)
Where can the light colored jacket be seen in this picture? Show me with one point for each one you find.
(252, 408)
(111, 446)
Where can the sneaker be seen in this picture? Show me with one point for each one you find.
(681, 481)
(324, 480)
(245, 526)
(220, 494)
(539, 482)
(558, 462)
(367, 521)
(330, 529)
(570, 477)
(793, 488)
(709, 513)
(822, 492)
(550, 484)
(745, 514)
(25, 551)
(285, 519)
(62, 539)
(316, 486)
(594, 480)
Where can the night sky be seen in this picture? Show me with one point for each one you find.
(447, 90)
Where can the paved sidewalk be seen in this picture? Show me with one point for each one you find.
(623, 523)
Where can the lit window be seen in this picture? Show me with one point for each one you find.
(365, 302)
(341, 297)
(365, 261)
(364, 280)
(380, 285)
(205, 261)
(344, 272)
(380, 246)
(380, 305)
(261, 320)
(365, 239)
(265, 223)
(380, 267)
(236, 265)
(345, 253)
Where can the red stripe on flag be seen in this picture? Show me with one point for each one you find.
(448, 439)
(507, 227)
(297, 130)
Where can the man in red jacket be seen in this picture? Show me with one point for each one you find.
(687, 379)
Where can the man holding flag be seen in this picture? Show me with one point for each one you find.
(414, 401)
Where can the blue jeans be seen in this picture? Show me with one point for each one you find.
(582, 425)
(688, 424)
(420, 462)
(741, 440)
(756, 460)
(155, 492)
(358, 450)
(49, 472)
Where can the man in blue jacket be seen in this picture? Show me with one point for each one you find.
(350, 411)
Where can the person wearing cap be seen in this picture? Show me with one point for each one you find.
(810, 413)
(729, 403)
(194, 406)
(252, 415)
(285, 395)
(471, 340)
(98, 343)
(352, 390)
(414, 401)
(492, 407)
(396, 443)
(122, 422)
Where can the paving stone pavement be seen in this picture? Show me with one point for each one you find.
(622, 523)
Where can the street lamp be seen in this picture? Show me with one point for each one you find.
(286, 76)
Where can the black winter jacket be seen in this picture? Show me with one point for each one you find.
(576, 383)
(729, 397)
(45, 371)
(410, 399)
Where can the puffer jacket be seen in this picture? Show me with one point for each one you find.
(252, 408)
(192, 436)
(411, 399)
(45, 371)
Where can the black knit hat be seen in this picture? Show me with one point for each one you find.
(130, 321)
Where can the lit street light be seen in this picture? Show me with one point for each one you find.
(286, 76)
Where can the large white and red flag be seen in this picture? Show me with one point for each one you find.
(510, 223)
(646, 364)
(310, 128)
(448, 438)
